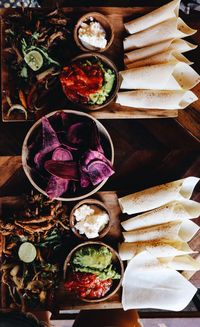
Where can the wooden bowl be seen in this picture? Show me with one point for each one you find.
(115, 259)
(107, 62)
(35, 181)
(72, 219)
(105, 23)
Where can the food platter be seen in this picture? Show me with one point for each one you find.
(62, 301)
(115, 52)
(50, 253)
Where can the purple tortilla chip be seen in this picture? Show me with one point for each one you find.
(49, 136)
(95, 167)
(91, 155)
(99, 171)
(76, 133)
(84, 179)
(95, 139)
(56, 187)
(49, 142)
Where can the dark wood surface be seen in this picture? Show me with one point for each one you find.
(147, 151)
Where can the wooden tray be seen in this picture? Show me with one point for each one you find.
(14, 182)
(62, 300)
(117, 16)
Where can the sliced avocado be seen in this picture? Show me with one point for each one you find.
(101, 99)
(109, 82)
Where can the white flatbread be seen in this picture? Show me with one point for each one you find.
(183, 262)
(169, 29)
(184, 209)
(172, 231)
(160, 58)
(157, 16)
(149, 284)
(178, 45)
(167, 76)
(160, 248)
(156, 99)
(157, 196)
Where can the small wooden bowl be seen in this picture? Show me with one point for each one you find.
(107, 62)
(105, 23)
(72, 219)
(118, 264)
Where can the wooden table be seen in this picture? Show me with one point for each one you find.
(147, 151)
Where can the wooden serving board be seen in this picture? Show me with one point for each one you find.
(14, 182)
(62, 300)
(117, 16)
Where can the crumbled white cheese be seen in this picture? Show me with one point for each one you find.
(92, 34)
(83, 211)
(92, 223)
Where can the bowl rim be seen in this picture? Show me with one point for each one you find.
(94, 202)
(24, 156)
(111, 64)
(113, 251)
(84, 18)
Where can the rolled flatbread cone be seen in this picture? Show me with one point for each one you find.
(178, 45)
(172, 231)
(155, 17)
(176, 210)
(160, 58)
(157, 196)
(149, 284)
(160, 248)
(170, 29)
(156, 99)
(183, 262)
(167, 76)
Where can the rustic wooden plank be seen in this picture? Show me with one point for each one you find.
(8, 167)
(65, 303)
(116, 111)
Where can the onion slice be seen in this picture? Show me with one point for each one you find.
(17, 107)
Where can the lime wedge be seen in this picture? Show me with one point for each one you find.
(27, 252)
(34, 60)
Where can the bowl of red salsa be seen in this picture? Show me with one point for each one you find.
(93, 272)
(90, 81)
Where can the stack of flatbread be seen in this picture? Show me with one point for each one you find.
(157, 74)
(155, 244)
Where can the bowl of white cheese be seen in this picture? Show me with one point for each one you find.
(90, 219)
(93, 32)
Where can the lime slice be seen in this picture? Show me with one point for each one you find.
(27, 252)
(34, 60)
